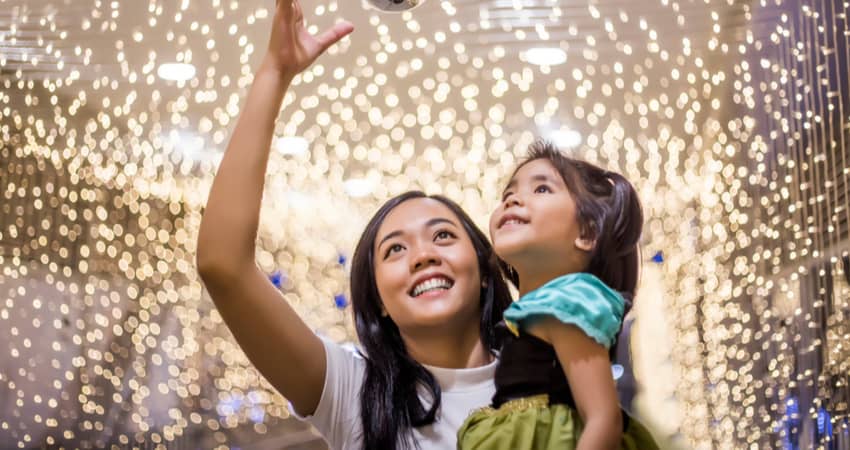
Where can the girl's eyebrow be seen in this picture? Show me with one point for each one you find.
(511, 184)
(542, 177)
(538, 177)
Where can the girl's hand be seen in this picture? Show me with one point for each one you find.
(291, 47)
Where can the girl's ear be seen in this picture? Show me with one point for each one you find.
(585, 243)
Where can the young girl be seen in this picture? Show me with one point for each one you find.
(569, 233)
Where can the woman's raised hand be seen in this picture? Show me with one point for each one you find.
(281, 346)
(291, 47)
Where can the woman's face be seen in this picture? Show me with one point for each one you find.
(426, 268)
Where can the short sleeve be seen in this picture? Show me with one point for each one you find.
(337, 416)
(578, 299)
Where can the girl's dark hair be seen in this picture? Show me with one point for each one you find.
(608, 211)
(390, 406)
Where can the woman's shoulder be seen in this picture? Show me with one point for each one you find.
(345, 356)
(337, 416)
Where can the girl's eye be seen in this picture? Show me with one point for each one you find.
(393, 248)
(542, 188)
(444, 234)
(506, 195)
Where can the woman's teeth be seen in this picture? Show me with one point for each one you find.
(430, 285)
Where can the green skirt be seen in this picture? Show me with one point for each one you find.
(531, 423)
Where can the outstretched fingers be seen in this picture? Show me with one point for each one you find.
(333, 35)
(285, 8)
(297, 12)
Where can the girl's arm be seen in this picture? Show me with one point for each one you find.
(271, 334)
(588, 369)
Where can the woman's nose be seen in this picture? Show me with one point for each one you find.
(425, 257)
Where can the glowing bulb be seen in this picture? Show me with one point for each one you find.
(565, 138)
(546, 56)
(358, 187)
(294, 145)
(176, 71)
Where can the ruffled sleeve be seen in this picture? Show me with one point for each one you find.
(578, 299)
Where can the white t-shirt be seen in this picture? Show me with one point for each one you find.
(337, 417)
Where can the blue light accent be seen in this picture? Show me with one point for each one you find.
(340, 301)
(792, 408)
(342, 259)
(230, 405)
(658, 257)
(618, 371)
(824, 422)
(257, 414)
(791, 424)
(277, 278)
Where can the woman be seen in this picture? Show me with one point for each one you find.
(425, 287)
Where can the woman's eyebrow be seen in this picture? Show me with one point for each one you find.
(430, 223)
(389, 236)
(439, 220)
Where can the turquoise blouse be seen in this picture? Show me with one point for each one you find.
(578, 299)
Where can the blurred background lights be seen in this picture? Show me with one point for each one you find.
(546, 56)
(731, 118)
(176, 71)
(565, 138)
(358, 187)
(291, 145)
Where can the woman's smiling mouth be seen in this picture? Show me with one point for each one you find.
(431, 284)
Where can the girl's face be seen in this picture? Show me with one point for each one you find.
(536, 224)
(426, 268)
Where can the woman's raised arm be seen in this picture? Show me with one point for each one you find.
(269, 331)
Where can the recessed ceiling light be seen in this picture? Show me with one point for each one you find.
(395, 5)
(291, 145)
(176, 71)
(565, 138)
(358, 187)
(546, 56)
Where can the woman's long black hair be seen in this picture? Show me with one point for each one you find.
(390, 406)
(608, 210)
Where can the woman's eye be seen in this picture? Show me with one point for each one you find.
(542, 188)
(444, 235)
(393, 248)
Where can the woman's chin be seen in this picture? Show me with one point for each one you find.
(440, 315)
